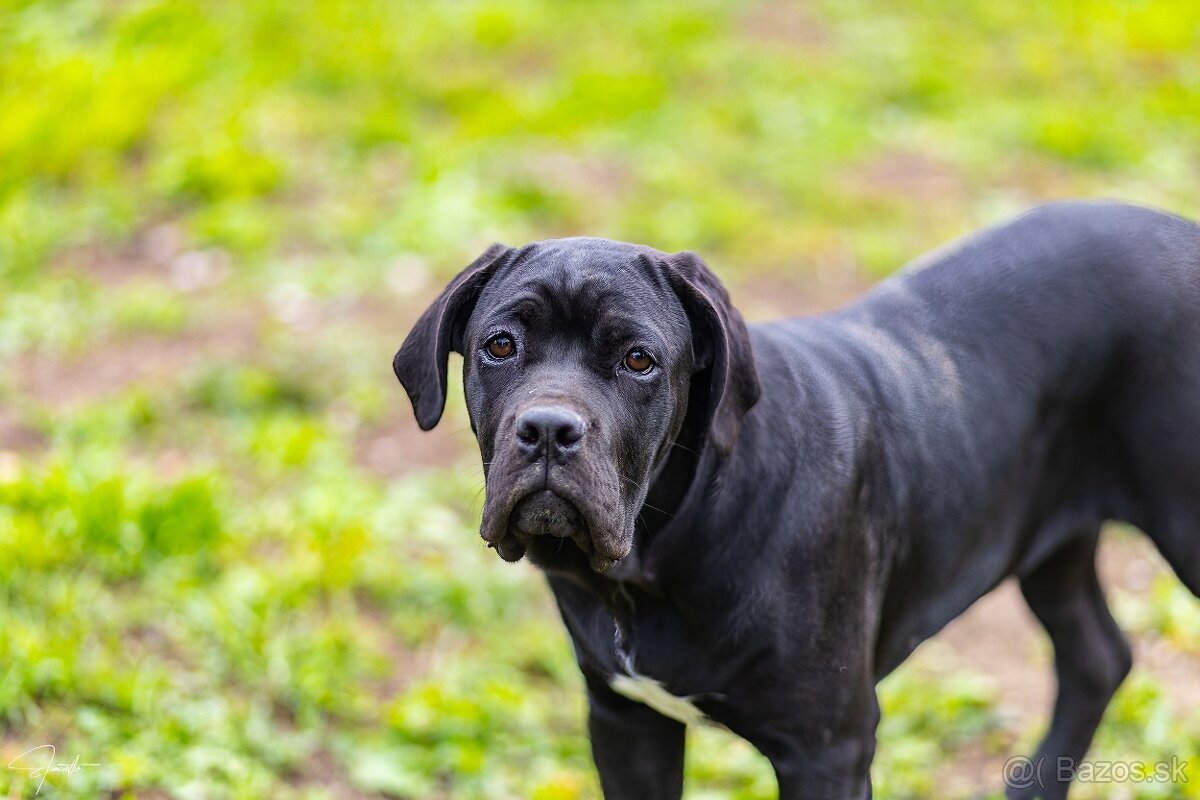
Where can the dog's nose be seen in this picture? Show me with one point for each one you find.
(549, 430)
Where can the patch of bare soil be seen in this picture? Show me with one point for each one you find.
(109, 366)
(906, 174)
(1035, 179)
(397, 446)
(322, 770)
(817, 288)
(790, 24)
(156, 252)
(16, 436)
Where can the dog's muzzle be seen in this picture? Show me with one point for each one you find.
(545, 492)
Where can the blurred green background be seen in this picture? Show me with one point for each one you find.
(230, 566)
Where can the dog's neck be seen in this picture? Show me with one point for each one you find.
(663, 500)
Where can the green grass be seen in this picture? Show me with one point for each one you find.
(217, 220)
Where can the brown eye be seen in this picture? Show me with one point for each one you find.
(638, 360)
(500, 346)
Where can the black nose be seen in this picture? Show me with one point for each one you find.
(548, 430)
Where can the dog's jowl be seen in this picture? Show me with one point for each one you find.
(764, 520)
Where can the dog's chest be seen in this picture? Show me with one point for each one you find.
(646, 690)
(631, 683)
(643, 647)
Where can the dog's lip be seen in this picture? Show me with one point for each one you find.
(612, 550)
(498, 521)
(557, 502)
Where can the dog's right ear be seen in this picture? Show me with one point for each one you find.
(420, 364)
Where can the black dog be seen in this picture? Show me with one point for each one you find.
(766, 520)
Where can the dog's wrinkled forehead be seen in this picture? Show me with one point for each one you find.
(580, 283)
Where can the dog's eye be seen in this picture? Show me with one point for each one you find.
(500, 346)
(638, 360)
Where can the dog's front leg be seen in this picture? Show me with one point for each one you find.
(824, 757)
(638, 752)
(839, 769)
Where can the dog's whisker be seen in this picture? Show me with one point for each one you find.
(632, 482)
(476, 499)
(659, 510)
(685, 449)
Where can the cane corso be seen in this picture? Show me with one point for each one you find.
(755, 523)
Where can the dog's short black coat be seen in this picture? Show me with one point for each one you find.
(770, 518)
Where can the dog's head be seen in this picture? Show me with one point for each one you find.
(581, 359)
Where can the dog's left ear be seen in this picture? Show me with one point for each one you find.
(420, 363)
(721, 344)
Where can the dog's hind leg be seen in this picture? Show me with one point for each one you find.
(1091, 658)
(1178, 542)
(1168, 470)
(1161, 463)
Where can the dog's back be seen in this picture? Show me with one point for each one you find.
(1022, 385)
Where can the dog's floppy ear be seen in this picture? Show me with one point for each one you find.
(721, 344)
(420, 363)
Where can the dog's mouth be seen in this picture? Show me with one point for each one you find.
(543, 518)
(545, 513)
